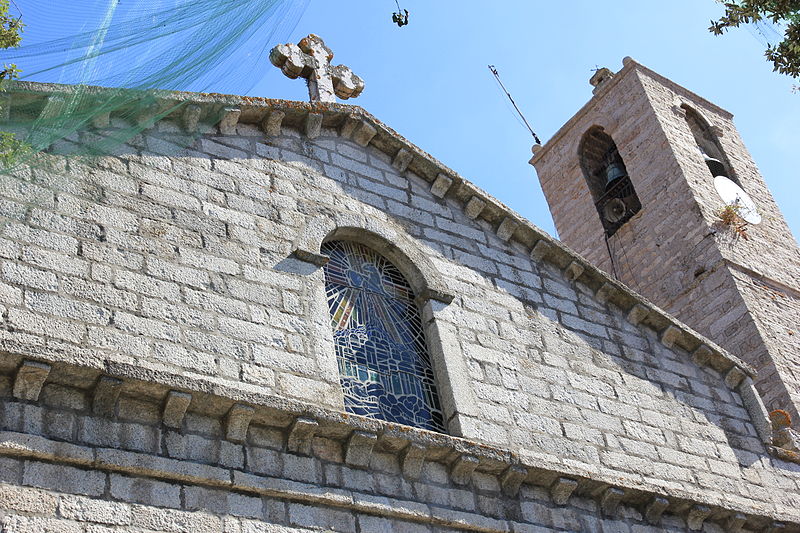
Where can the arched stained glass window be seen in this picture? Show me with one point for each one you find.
(384, 366)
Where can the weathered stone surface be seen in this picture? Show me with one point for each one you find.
(462, 468)
(574, 271)
(101, 120)
(758, 412)
(229, 120)
(402, 159)
(441, 185)
(541, 250)
(512, 479)
(734, 377)
(412, 460)
(191, 117)
(638, 313)
(175, 407)
(184, 275)
(106, 394)
(655, 509)
(474, 207)
(272, 123)
(29, 380)
(697, 515)
(311, 59)
(301, 434)
(238, 422)
(670, 335)
(562, 489)
(735, 523)
(702, 355)
(605, 292)
(721, 285)
(313, 125)
(610, 500)
(359, 448)
(507, 228)
(364, 133)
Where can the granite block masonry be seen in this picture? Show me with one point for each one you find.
(192, 383)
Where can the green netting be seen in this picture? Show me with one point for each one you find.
(137, 48)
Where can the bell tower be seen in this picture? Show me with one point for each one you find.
(652, 183)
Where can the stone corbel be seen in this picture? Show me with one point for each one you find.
(30, 379)
(359, 448)
(106, 394)
(313, 258)
(412, 461)
(229, 120)
(237, 422)
(562, 489)
(300, 436)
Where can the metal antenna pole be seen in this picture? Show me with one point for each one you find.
(497, 77)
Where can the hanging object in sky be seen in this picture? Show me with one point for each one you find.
(401, 16)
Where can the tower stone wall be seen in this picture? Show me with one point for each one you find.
(740, 291)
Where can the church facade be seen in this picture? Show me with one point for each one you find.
(306, 323)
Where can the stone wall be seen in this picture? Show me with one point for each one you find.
(674, 251)
(168, 345)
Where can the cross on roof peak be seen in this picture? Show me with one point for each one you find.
(311, 59)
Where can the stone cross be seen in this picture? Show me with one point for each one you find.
(311, 59)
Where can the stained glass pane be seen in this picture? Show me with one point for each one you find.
(384, 366)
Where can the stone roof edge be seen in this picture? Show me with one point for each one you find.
(629, 65)
(106, 381)
(357, 124)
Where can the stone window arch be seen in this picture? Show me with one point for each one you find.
(708, 144)
(607, 177)
(385, 368)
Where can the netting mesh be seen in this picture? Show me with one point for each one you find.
(137, 48)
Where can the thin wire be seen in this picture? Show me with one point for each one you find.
(18, 8)
(627, 262)
(611, 256)
(510, 108)
(497, 77)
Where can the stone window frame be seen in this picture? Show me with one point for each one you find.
(432, 297)
(711, 135)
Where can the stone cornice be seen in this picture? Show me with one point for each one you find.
(301, 422)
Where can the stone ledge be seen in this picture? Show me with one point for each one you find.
(461, 455)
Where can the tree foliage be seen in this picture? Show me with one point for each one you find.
(784, 55)
(10, 37)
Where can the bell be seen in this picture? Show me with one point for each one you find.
(614, 172)
(715, 166)
(615, 210)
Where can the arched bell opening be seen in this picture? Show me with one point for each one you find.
(608, 180)
(708, 145)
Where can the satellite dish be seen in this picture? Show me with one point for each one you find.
(615, 210)
(732, 194)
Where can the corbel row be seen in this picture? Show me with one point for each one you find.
(360, 444)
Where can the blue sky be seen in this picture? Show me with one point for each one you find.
(430, 82)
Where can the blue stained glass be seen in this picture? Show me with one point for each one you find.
(384, 366)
